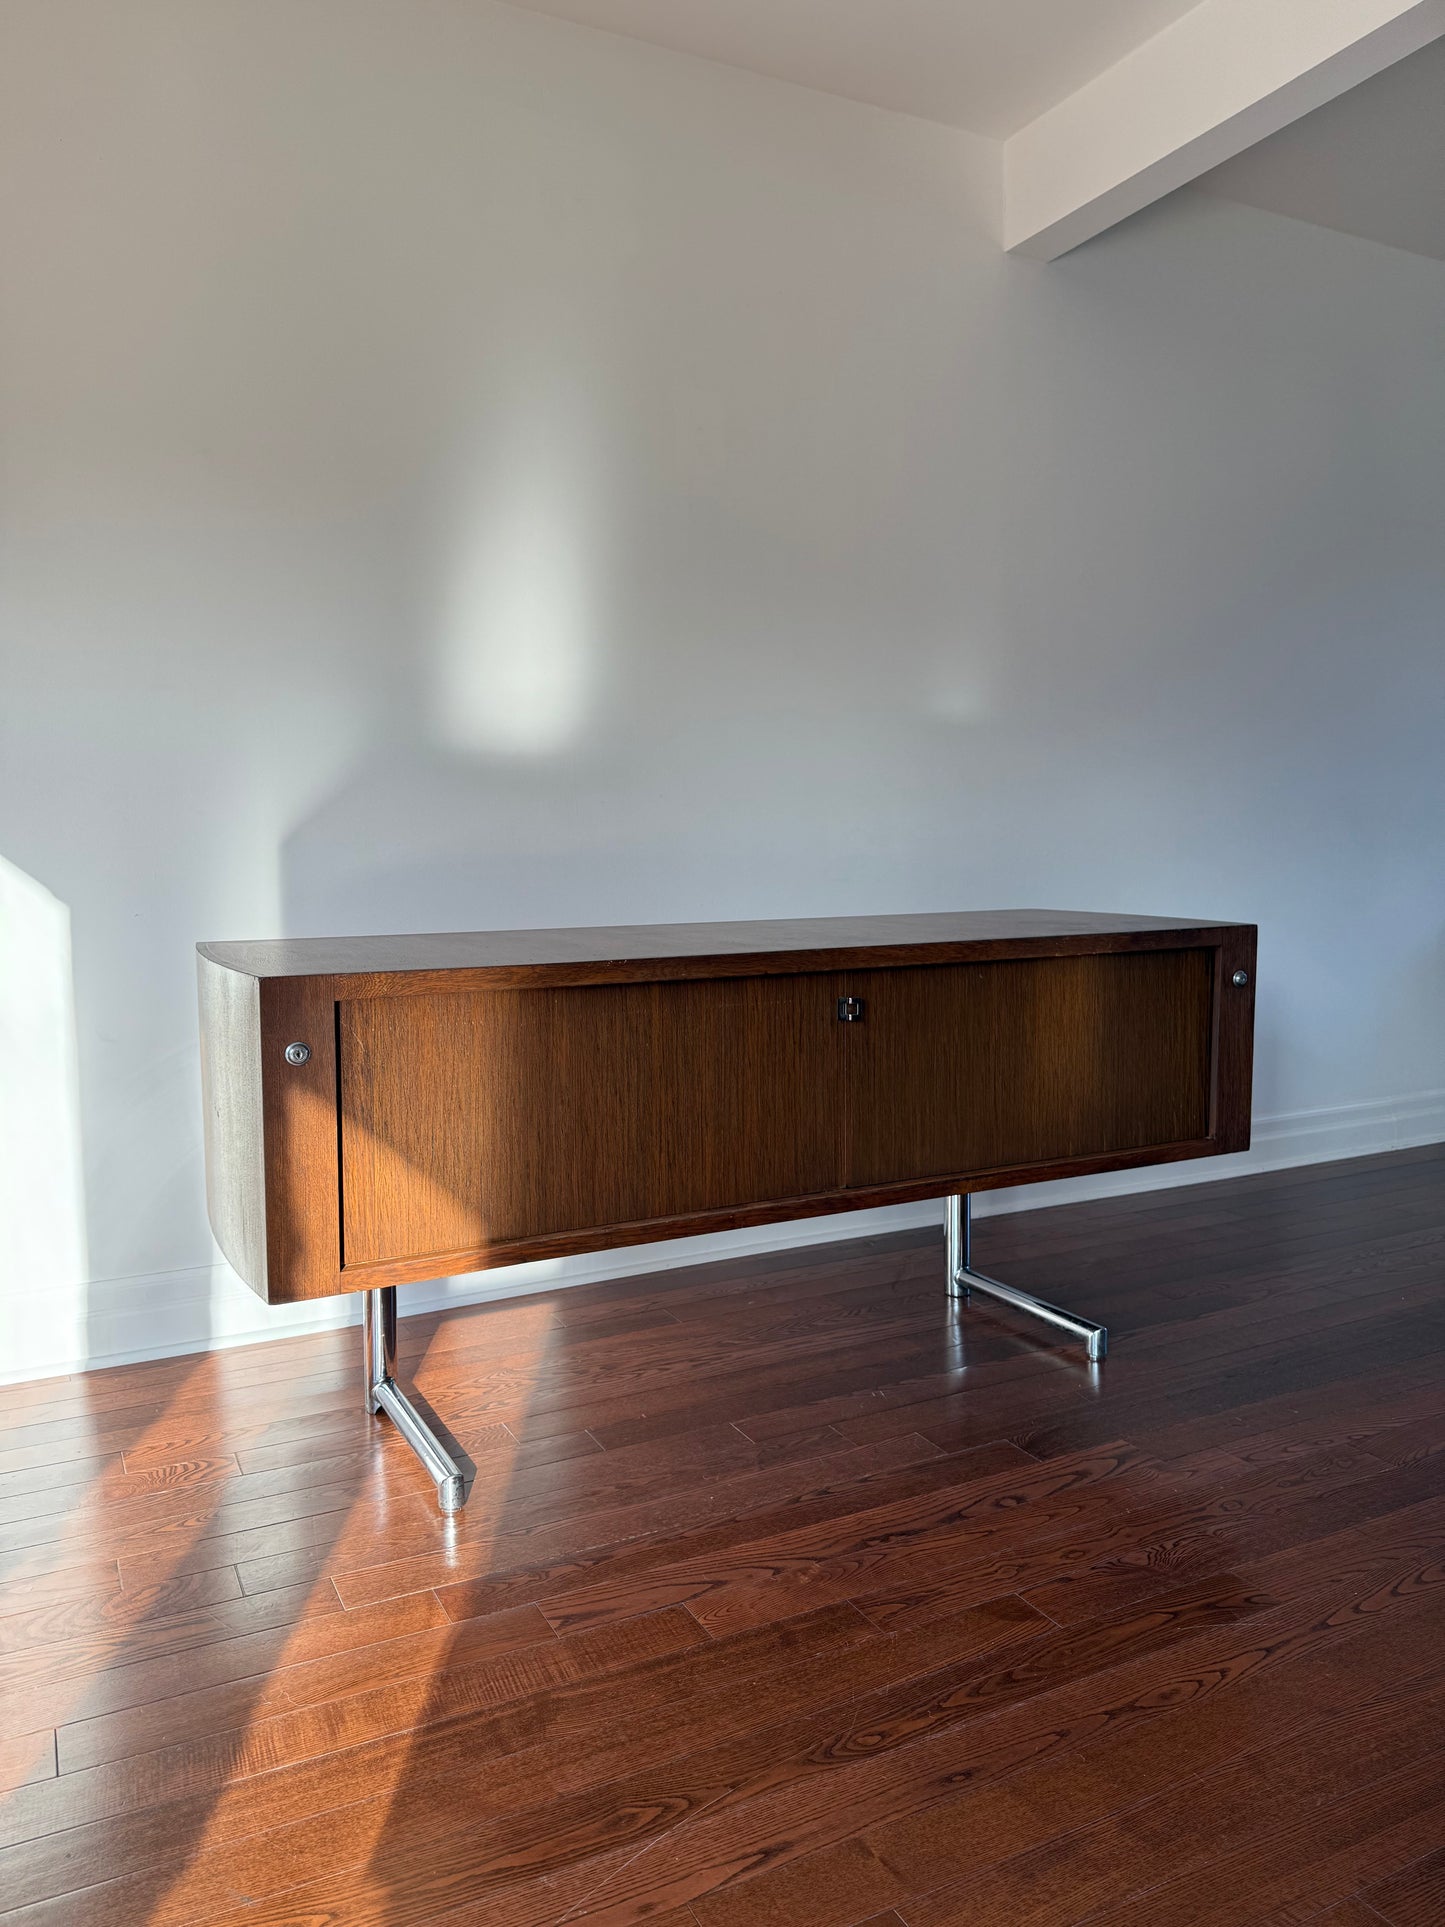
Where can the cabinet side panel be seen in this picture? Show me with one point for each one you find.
(971, 1068)
(1234, 1040)
(230, 1007)
(303, 1203)
(484, 1118)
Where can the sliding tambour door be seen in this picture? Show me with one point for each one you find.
(978, 1067)
(471, 1120)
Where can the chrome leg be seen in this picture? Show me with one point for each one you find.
(383, 1394)
(963, 1279)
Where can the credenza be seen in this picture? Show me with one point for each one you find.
(382, 1110)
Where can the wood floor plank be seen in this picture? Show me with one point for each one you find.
(361, 1665)
(93, 1633)
(832, 1483)
(467, 1854)
(809, 1564)
(1158, 1851)
(547, 1500)
(501, 1760)
(740, 1510)
(188, 1514)
(1349, 1913)
(104, 1481)
(1011, 1723)
(66, 1686)
(465, 1858)
(26, 1756)
(1291, 1872)
(1144, 1393)
(892, 1754)
(1274, 1426)
(1034, 1777)
(1075, 1575)
(422, 1699)
(1413, 1896)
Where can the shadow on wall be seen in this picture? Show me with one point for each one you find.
(779, 815)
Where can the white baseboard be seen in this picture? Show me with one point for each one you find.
(1277, 1143)
(117, 1321)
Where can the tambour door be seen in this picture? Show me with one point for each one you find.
(970, 1068)
(478, 1119)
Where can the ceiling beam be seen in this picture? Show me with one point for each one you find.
(1223, 76)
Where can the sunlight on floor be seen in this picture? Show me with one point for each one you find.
(64, 1540)
(392, 1515)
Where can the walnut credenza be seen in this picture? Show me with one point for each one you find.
(381, 1110)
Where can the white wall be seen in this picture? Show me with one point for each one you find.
(460, 470)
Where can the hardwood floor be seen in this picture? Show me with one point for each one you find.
(785, 1598)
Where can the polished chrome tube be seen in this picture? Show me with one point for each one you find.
(957, 1229)
(378, 1335)
(448, 1477)
(383, 1394)
(963, 1280)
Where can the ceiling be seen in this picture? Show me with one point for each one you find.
(1371, 162)
(989, 66)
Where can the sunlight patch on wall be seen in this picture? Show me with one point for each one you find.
(43, 1257)
(517, 662)
(958, 691)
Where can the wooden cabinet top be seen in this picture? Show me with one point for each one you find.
(633, 951)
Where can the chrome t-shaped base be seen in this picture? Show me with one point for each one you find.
(963, 1279)
(383, 1394)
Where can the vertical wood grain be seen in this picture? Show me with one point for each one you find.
(970, 1067)
(1233, 1066)
(303, 1206)
(485, 1118)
